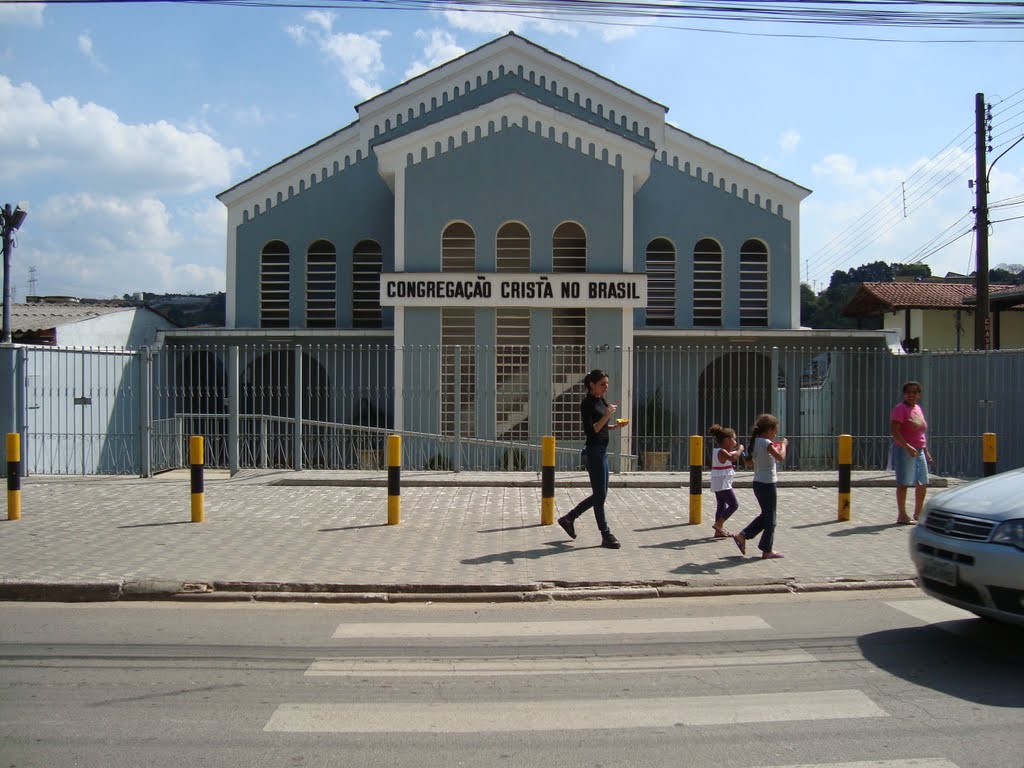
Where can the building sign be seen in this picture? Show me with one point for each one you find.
(512, 289)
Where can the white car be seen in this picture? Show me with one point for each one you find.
(968, 547)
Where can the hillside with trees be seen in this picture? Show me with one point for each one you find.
(824, 310)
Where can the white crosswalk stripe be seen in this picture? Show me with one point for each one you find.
(586, 714)
(550, 628)
(930, 611)
(914, 762)
(464, 667)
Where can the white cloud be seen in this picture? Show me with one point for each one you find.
(789, 141)
(88, 144)
(85, 46)
(359, 57)
(440, 47)
(21, 14)
(102, 245)
(861, 215)
(492, 23)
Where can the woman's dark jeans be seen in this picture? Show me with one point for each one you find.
(767, 497)
(597, 467)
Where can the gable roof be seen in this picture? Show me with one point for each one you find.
(878, 298)
(421, 102)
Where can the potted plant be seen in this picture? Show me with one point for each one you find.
(369, 443)
(655, 430)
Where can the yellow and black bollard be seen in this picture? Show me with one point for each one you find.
(13, 476)
(845, 460)
(394, 479)
(696, 482)
(988, 453)
(196, 460)
(547, 480)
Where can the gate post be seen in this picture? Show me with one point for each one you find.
(457, 398)
(146, 412)
(299, 395)
(233, 407)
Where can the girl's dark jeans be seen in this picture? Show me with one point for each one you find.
(766, 496)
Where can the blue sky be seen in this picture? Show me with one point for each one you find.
(120, 123)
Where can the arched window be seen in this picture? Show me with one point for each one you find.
(458, 330)
(513, 248)
(707, 283)
(367, 258)
(754, 284)
(274, 266)
(321, 285)
(458, 248)
(661, 283)
(568, 334)
(569, 248)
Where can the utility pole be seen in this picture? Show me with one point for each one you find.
(10, 220)
(981, 319)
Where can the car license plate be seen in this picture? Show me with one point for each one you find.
(940, 571)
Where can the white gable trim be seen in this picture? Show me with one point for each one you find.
(503, 113)
(731, 173)
(512, 54)
(294, 175)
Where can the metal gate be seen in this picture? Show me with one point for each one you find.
(82, 411)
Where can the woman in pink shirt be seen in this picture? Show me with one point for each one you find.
(910, 455)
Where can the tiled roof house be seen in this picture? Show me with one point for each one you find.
(931, 315)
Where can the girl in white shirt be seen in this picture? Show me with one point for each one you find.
(723, 469)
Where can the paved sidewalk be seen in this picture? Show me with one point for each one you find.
(267, 537)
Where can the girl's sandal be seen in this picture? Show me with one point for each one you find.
(721, 534)
(741, 544)
(771, 555)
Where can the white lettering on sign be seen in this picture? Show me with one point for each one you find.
(436, 289)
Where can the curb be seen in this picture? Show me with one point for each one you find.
(219, 592)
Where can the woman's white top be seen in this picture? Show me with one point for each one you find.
(721, 474)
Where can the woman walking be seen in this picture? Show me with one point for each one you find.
(598, 418)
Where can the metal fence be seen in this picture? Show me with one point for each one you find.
(88, 411)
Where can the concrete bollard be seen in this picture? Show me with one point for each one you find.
(988, 453)
(13, 476)
(547, 480)
(394, 479)
(197, 460)
(845, 456)
(696, 481)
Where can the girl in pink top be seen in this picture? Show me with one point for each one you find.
(910, 455)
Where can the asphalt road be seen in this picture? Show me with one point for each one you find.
(886, 679)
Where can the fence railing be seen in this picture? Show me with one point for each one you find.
(331, 406)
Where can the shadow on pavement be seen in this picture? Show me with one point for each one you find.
(817, 525)
(869, 529)
(511, 528)
(511, 555)
(979, 663)
(354, 527)
(151, 525)
(682, 544)
(697, 569)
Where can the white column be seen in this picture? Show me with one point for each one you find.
(627, 221)
(399, 369)
(794, 241)
(399, 224)
(230, 287)
(626, 401)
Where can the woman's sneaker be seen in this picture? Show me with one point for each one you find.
(610, 542)
(568, 526)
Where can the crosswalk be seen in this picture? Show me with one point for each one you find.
(581, 713)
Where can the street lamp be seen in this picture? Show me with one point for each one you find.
(10, 221)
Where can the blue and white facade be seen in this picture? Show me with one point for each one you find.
(511, 199)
